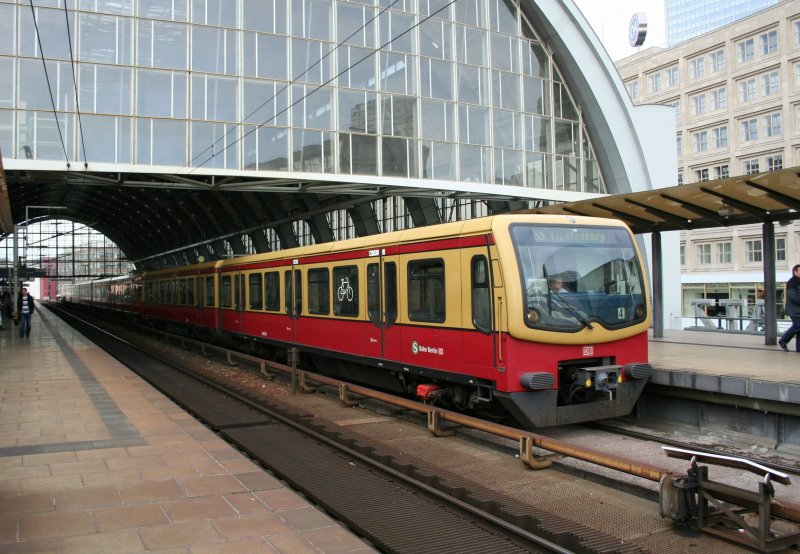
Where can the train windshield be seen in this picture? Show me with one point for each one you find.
(580, 276)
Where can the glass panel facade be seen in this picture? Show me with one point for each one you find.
(416, 89)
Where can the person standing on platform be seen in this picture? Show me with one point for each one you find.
(25, 309)
(792, 310)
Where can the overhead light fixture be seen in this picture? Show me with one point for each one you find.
(725, 211)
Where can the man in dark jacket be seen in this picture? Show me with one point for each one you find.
(792, 310)
(25, 309)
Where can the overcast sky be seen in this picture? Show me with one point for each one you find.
(611, 18)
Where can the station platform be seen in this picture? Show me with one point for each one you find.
(93, 459)
(735, 364)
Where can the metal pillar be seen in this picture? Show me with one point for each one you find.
(770, 310)
(658, 286)
(15, 269)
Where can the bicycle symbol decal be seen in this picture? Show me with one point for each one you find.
(345, 290)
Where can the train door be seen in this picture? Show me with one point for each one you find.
(478, 345)
(293, 300)
(381, 337)
(239, 301)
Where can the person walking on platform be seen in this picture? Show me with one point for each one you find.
(792, 310)
(25, 309)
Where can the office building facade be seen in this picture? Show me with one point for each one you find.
(736, 95)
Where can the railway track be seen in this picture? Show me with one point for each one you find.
(395, 502)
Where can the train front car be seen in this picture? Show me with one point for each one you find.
(573, 341)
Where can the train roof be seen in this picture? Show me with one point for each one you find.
(468, 227)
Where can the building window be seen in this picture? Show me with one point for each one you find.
(750, 166)
(653, 83)
(797, 32)
(774, 162)
(719, 99)
(724, 253)
(752, 251)
(680, 178)
(703, 254)
(745, 50)
(716, 61)
(683, 254)
(633, 89)
(772, 125)
(771, 83)
(700, 141)
(701, 175)
(698, 103)
(768, 42)
(797, 75)
(679, 145)
(719, 137)
(672, 77)
(747, 90)
(721, 171)
(749, 129)
(780, 250)
(697, 68)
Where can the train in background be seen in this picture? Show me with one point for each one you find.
(543, 318)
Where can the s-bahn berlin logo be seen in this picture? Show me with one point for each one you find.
(416, 349)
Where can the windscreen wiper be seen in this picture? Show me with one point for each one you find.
(575, 311)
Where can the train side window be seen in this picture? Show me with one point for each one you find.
(209, 292)
(345, 280)
(390, 292)
(190, 292)
(198, 287)
(481, 296)
(374, 293)
(319, 291)
(255, 291)
(225, 291)
(426, 296)
(272, 285)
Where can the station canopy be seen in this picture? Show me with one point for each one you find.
(756, 198)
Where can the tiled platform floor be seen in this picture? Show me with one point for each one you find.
(92, 459)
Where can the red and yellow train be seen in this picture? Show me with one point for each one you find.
(543, 318)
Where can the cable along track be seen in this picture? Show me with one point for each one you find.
(392, 501)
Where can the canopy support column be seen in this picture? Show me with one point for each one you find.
(770, 309)
(658, 286)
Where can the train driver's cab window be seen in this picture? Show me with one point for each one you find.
(209, 292)
(272, 288)
(481, 295)
(225, 291)
(426, 295)
(319, 295)
(255, 291)
(345, 294)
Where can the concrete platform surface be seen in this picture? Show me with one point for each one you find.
(93, 459)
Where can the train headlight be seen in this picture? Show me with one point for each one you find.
(639, 311)
(534, 316)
